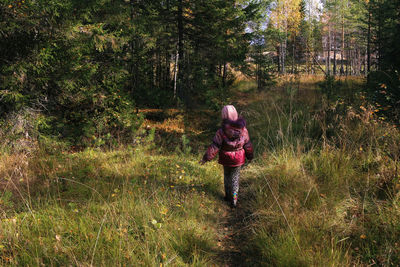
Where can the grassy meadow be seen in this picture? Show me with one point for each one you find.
(120, 207)
(323, 190)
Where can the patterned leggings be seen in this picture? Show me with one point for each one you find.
(231, 181)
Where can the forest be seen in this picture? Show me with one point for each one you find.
(107, 106)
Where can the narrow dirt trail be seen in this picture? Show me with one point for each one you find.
(232, 231)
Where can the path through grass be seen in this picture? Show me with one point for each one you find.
(323, 191)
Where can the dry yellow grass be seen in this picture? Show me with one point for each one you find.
(14, 172)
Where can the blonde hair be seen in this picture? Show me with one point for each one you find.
(229, 112)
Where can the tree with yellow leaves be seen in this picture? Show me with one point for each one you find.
(285, 19)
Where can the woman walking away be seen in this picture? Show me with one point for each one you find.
(232, 141)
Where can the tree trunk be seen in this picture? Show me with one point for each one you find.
(134, 67)
(365, 62)
(359, 61)
(179, 58)
(342, 49)
(258, 75)
(351, 62)
(347, 58)
(281, 63)
(334, 54)
(311, 58)
(294, 53)
(159, 68)
(278, 50)
(167, 55)
(284, 55)
(167, 71)
(176, 71)
(328, 59)
(369, 40)
(224, 73)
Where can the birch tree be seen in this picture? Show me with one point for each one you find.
(285, 18)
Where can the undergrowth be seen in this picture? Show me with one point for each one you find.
(324, 189)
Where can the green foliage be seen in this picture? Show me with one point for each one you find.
(384, 82)
(384, 91)
(216, 99)
(186, 149)
(87, 66)
(328, 86)
(67, 69)
(6, 200)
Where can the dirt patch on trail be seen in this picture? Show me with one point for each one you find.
(232, 230)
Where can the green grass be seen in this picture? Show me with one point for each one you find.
(323, 190)
(120, 207)
(245, 86)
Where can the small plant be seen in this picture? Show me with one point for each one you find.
(328, 86)
(6, 200)
(186, 149)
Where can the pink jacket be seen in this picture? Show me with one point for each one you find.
(232, 141)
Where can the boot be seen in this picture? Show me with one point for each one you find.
(228, 196)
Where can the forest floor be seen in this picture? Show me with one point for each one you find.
(323, 190)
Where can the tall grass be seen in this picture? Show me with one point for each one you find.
(123, 207)
(325, 189)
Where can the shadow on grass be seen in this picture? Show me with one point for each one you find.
(189, 243)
